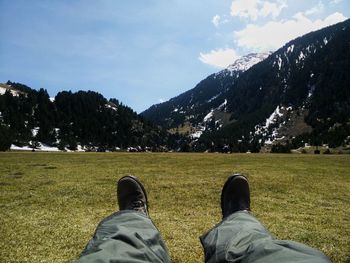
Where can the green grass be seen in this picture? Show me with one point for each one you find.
(50, 203)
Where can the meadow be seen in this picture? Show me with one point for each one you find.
(50, 203)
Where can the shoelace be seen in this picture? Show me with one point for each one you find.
(138, 205)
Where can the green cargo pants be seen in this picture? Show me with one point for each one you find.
(240, 237)
(125, 236)
(129, 236)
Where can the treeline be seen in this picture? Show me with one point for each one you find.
(82, 118)
(192, 105)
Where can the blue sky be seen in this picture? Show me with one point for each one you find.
(145, 52)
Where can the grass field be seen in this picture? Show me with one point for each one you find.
(50, 203)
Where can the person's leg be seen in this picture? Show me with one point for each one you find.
(128, 235)
(240, 237)
(229, 240)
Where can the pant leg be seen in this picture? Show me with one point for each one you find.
(242, 238)
(125, 236)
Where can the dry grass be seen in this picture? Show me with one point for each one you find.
(50, 203)
(187, 128)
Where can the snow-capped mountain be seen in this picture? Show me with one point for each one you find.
(298, 94)
(246, 62)
(192, 111)
(242, 64)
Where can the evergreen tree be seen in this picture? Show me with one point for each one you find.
(5, 137)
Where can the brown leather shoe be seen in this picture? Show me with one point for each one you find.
(132, 195)
(235, 195)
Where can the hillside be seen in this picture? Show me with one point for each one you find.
(299, 94)
(191, 107)
(84, 120)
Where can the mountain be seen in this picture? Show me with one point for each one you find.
(189, 111)
(298, 94)
(83, 120)
(277, 101)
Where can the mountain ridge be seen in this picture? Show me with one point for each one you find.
(297, 95)
(308, 75)
(83, 120)
(206, 92)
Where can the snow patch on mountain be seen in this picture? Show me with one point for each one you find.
(208, 116)
(325, 41)
(290, 49)
(13, 92)
(196, 134)
(270, 120)
(222, 106)
(41, 147)
(301, 56)
(44, 148)
(269, 129)
(214, 97)
(311, 91)
(2, 91)
(35, 131)
(246, 62)
(279, 63)
(111, 106)
(242, 64)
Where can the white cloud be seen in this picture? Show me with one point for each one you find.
(244, 8)
(257, 8)
(333, 19)
(219, 58)
(161, 100)
(216, 20)
(336, 1)
(272, 8)
(275, 34)
(316, 9)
